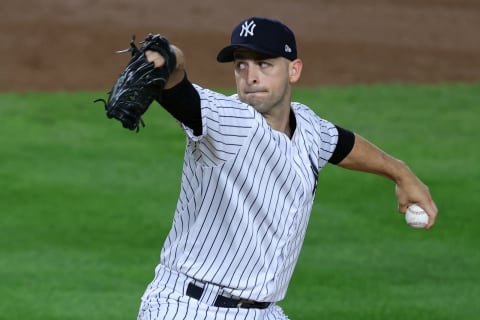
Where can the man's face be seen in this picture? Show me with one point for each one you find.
(262, 81)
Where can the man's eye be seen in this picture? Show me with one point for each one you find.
(240, 65)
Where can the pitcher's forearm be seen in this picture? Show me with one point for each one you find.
(367, 157)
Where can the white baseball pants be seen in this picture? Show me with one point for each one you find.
(165, 299)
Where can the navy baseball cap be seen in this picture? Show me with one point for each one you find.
(263, 35)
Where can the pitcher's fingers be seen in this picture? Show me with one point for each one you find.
(431, 208)
(155, 57)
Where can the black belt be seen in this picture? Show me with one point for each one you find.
(195, 292)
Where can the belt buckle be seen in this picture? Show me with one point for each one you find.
(242, 303)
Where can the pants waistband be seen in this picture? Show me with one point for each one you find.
(196, 292)
(204, 292)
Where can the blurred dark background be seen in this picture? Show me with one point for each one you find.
(70, 44)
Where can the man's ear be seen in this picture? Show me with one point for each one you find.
(295, 70)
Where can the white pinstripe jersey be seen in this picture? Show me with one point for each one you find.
(246, 196)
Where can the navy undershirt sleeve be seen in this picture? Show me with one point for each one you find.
(183, 103)
(346, 140)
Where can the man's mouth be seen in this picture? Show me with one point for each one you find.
(255, 91)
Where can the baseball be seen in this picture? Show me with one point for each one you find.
(416, 217)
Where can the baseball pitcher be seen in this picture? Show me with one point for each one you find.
(251, 167)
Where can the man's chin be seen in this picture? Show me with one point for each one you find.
(255, 104)
(254, 101)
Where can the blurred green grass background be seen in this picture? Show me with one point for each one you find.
(85, 206)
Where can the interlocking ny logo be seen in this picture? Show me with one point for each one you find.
(247, 28)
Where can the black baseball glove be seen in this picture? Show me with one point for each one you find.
(140, 83)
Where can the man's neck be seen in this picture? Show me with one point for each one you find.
(285, 123)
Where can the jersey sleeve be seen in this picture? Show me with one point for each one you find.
(327, 143)
(226, 124)
(345, 142)
(216, 125)
(330, 143)
(337, 142)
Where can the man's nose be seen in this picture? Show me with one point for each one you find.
(252, 75)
